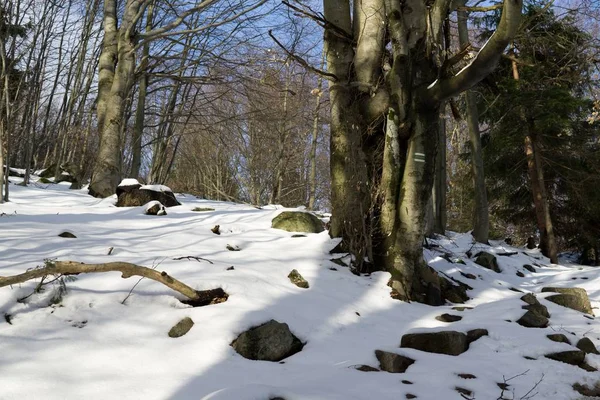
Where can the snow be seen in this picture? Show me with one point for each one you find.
(157, 188)
(129, 182)
(92, 346)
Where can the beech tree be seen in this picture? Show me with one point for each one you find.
(117, 66)
(389, 72)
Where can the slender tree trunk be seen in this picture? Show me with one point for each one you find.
(138, 129)
(481, 222)
(535, 170)
(439, 186)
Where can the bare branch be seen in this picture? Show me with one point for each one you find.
(303, 62)
(485, 61)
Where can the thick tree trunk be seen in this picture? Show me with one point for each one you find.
(349, 186)
(481, 222)
(406, 91)
(107, 173)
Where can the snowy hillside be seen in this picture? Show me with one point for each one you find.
(92, 344)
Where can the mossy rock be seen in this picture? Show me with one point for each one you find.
(181, 328)
(203, 209)
(271, 341)
(45, 180)
(392, 362)
(559, 338)
(446, 342)
(488, 260)
(574, 298)
(587, 346)
(297, 221)
(298, 279)
(573, 357)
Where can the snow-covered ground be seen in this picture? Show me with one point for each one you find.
(91, 346)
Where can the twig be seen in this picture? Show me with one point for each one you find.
(303, 62)
(193, 258)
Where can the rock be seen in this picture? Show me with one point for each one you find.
(531, 243)
(468, 275)
(216, 230)
(558, 337)
(465, 392)
(155, 208)
(573, 357)
(297, 279)
(476, 334)
(127, 186)
(467, 376)
(271, 341)
(365, 368)
(181, 328)
(392, 362)
(67, 235)
(588, 391)
(132, 194)
(48, 172)
(460, 308)
(445, 342)
(530, 298)
(529, 267)
(574, 298)
(74, 172)
(520, 274)
(532, 319)
(454, 291)
(410, 396)
(448, 318)
(587, 346)
(297, 221)
(539, 309)
(202, 209)
(488, 260)
(587, 367)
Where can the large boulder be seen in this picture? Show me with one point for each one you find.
(488, 260)
(130, 193)
(392, 362)
(271, 341)
(574, 298)
(445, 342)
(297, 221)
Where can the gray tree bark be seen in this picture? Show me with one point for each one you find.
(398, 98)
(481, 221)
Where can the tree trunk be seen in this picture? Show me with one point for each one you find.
(140, 112)
(107, 168)
(439, 186)
(481, 220)
(393, 100)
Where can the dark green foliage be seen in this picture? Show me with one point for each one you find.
(550, 100)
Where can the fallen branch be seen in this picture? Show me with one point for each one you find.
(127, 270)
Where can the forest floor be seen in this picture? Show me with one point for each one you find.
(106, 337)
